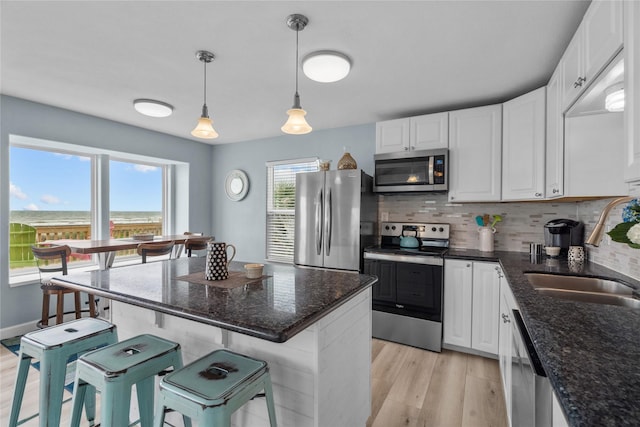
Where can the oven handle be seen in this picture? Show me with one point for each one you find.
(410, 259)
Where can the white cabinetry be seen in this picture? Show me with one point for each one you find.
(554, 157)
(471, 305)
(507, 304)
(632, 90)
(475, 154)
(425, 132)
(523, 150)
(595, 43)
(458, 291)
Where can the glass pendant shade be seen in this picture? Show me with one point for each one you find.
(204, 129)
(296, 124)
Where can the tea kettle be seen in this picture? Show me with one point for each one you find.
(409, 241)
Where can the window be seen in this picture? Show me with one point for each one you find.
(50, 205)
(46, 204)
(281, 199)
(134, 209)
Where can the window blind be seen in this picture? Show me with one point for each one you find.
(281, 199)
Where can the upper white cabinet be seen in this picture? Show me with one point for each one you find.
(413, 133)
(554, 156)
(523, 149)
(472, 305)
(595, 43)
(632, 90)
(475, 154)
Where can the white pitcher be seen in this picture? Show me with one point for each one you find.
(486, 238)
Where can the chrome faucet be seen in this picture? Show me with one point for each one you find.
(598, 231)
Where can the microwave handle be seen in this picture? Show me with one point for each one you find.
(431, 160)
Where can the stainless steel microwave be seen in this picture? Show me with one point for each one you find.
(412, 171)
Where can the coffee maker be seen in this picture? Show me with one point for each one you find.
(563, 233)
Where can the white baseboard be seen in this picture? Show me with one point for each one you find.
(17, 330)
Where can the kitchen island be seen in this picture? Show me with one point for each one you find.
(590, 352)
(313, 327)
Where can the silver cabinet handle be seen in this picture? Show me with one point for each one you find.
(468, 265)
(579, 82)
(538, 195)
(555, 191)
(505, 318)
(406, 148)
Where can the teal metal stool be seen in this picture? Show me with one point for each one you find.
(113, 370)
(53, 347)
(213, 387)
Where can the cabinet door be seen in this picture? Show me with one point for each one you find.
(523, 138)
(458, 284)
(602, 35)
(573, 77)
(632, 90)
(475, 154)
(392, 136)
(486, 307)
(504, 347)
(554, 165)
(429, 131)
(385, 288)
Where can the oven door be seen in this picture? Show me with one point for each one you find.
(419, 288)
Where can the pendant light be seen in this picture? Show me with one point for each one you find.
(296, 124)
(204, 128)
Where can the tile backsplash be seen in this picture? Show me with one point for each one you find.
(523, 222)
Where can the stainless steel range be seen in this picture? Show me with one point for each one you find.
(407, 300)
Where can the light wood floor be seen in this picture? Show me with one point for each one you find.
(413, 387)
(410, 387)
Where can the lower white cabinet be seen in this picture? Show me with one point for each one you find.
(471, 305)
(507, 304)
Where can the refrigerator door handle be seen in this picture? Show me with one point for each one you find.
(319, 208)
(328, 222)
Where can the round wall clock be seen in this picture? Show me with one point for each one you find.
(236, 185)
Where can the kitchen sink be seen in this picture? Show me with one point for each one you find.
(584, 289)
(578, 283)
(593, 297)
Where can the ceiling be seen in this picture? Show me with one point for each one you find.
(409, 58)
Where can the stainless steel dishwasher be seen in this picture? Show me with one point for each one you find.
(531, 394)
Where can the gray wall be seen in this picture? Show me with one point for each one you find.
(243, 223)
(20, 117)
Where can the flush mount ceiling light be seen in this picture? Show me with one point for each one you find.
(152, 108)
(614, 100)
(204, 128)
(326, 66)
(296, 124)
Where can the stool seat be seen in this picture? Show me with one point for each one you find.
(114, 369)
(213, 387)
(53, 347)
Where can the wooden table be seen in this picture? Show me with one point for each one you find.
(106, 249)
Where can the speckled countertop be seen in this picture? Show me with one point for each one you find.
(287, 301)
(590, 352)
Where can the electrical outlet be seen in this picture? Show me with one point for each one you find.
(384, 216)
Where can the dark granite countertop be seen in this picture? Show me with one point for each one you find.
(590, 352)
(284, 303)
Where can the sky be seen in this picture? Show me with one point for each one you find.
(41, 180)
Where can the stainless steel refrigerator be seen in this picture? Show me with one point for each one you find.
(335, 218)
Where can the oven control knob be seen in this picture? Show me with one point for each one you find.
(393, 227)
(386, 227)
(441, 229)
(433, 229)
